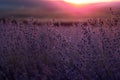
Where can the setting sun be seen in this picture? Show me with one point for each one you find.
(74, 1)
(85, 1)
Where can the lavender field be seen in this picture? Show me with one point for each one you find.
(59, 50)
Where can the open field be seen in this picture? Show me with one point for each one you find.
(60, 50)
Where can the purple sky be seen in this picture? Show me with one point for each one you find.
(38, 7)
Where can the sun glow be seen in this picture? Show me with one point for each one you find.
(85, 1)
(74, 1)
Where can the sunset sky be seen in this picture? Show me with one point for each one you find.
(44, 6)
(43, 3)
